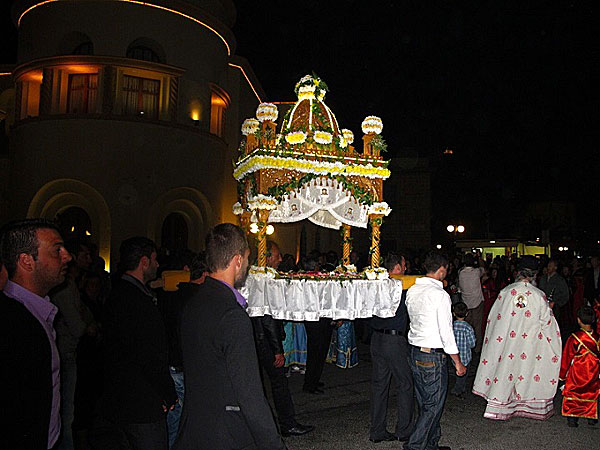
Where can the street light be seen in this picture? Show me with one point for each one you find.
(455, 228)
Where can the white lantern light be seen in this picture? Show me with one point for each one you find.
(270, 229)
(348, 135)
(372, 125)
(267, 111)
(450, 228)
(250, 126)
(253, 228)
(460, 229)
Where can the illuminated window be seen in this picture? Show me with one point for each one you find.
(218, 109)
(140, 96)
(83, 91)
(143, 53)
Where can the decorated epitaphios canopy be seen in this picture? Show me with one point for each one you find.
(310, 170)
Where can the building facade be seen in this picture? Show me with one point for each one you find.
(122, 118)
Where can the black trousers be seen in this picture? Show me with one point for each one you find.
(282, 398)
(390, 358)
(108, 435)
(318, 335)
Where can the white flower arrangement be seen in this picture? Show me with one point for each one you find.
(350, 268)
(380, 208)
(348, 135)
(262, 202)
(323, 137)
(237, 209)
(267, 111)
(372, 125)
(259, 271)
(306, 92)
(296, 137)
(250, 126)
(377, 273)
(343, 142)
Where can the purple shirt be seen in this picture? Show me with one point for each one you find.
(238, 296)
(44, 312)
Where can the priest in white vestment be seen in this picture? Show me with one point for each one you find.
(520, 358)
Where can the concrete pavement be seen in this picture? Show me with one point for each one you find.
(341, 417)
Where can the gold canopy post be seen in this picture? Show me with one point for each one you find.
(376, 221)
(347, 245)
(263, 217)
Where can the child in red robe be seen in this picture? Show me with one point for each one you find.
(580, 370)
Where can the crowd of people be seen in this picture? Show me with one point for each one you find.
(124, 361)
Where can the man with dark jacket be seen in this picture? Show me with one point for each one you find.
(36, 261)
(225, 406)
(138, 390)
(269, 336)
(389, 353)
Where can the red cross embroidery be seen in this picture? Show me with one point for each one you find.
(520, 379)
(484, 362)
(538, 357)
(527, 313)
(536, 378)
(513, 314)
(524, 335)
(495, 379)
(553, 381)
(540, 336)
(549, 339)
(499, 338)
(510, 377)
(528, 293)
(555, 359)
(523, 356)
(512, 334)
(511, 356)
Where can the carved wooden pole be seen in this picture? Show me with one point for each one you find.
(347, 245)
(263, 217)
(376, 221)
(245, 221)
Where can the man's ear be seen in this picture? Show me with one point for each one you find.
(144, 262)
(26, 262)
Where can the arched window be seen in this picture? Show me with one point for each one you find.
(76, 43)
(174, 234)
(74, 223)
(85, 48)
(143, 53)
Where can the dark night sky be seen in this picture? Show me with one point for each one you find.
(506, 84)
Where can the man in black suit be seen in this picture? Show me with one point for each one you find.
(389, 353)
(269, 336)
(138, 389)
(36, 261)
(225, 406)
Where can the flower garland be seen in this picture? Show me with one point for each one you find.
(309, 166)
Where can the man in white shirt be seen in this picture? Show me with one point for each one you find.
(431, 338)
(469, 282)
